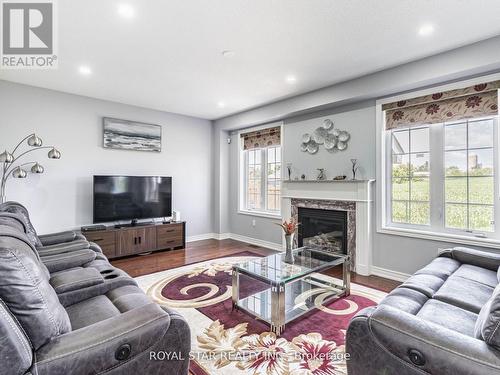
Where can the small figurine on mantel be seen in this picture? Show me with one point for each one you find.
(289, 170)
(321, 174)
(354, 168)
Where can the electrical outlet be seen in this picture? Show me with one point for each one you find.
(253, 223)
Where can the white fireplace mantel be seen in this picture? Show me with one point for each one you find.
(358, 191)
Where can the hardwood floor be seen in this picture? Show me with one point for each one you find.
(200, 251)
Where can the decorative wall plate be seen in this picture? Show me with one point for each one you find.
(327, 124)
(319, 135)
(344, 136)
(332, 138)
(330, 141)
(312, 147)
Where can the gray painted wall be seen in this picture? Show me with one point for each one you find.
(61, 198)
(304, 112)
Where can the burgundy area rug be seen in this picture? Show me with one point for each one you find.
(227, 341)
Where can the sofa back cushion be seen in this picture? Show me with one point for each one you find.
(488, 322)
(19, 209)
(25, 289)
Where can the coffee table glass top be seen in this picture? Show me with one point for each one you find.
(274, 269)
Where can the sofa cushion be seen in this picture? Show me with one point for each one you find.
(113, 303)
(487, 325)
(407, 300)
(25, 289)
(440, 267)
(464, 293)
(91, 311)
(449, 316)
(478, 274)
(424, 283)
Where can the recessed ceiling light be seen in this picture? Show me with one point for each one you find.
(85, 70)
(426, 30)
(126, 11)
(291, 79)
(221, 104)
(228, 53)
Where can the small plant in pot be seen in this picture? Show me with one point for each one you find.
(289, 227)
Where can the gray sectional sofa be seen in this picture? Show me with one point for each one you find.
(445, 319)
(64, 309)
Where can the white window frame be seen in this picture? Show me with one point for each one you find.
(243, 173)
(383, 163)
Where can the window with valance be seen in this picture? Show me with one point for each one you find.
(260, 171)
(441, 161)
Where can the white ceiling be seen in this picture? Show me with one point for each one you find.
(169, 55)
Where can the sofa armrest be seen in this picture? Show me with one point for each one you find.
(484, 259)
(75, 279)
(64, 247)
(92, 349)
(64, 261)
(60, 237)
(394, 333)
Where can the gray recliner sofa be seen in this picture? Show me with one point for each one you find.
(445, 319)
(79, 320)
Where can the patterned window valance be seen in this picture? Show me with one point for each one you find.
(262, 138)
(475, 101)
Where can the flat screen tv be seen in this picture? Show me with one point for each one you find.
(131, 198)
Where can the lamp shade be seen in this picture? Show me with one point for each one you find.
(37, 168)
(34, 141)
(54, 154)
(19, 173)
(6, 157)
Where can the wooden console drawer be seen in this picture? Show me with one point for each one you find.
(109, 250)
(170, 230)
(165, 243)
(101, 238)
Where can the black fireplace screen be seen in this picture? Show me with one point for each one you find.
(326, 229)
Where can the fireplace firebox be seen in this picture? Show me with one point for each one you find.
(324, 229)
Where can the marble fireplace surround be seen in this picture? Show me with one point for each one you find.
(355, 197)
(331, 205)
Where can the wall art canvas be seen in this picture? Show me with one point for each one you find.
(131, 135)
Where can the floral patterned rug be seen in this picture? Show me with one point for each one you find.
(227, 341)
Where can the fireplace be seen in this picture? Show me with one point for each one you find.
(325, 229)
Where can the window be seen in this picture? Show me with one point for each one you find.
(438, 164)
(260, 171)
(263, 179)
(469, 175)
(410, 176)
(442, 177)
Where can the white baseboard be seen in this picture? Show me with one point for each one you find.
(200, 237)
(389, 274)
(257, 242)
(222, 236)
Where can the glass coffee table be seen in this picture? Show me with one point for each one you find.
(288, 290)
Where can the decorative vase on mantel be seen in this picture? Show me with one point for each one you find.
(289, 227)
(289, 248)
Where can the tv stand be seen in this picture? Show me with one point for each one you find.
(129, 239)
